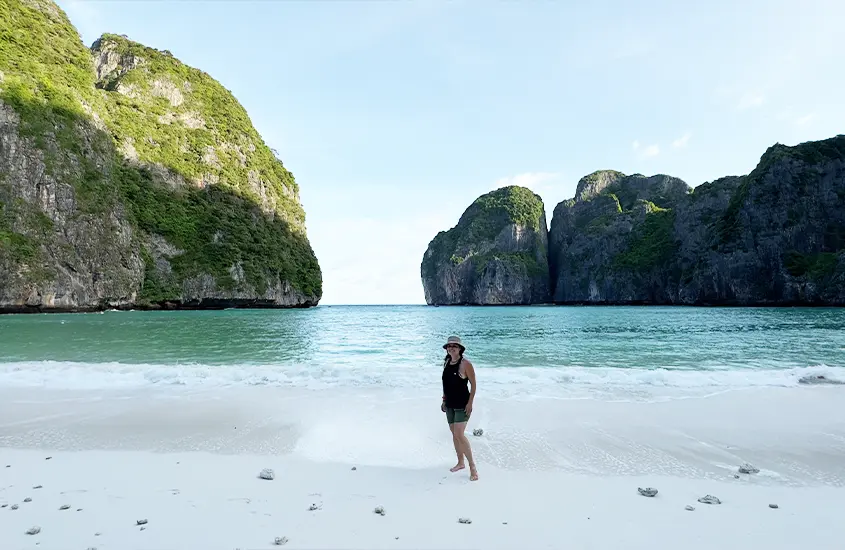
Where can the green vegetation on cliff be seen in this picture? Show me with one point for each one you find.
(193, 169)
(491, 212)
(481, 261)
(809, 154)
(652, 243)
(484, 219)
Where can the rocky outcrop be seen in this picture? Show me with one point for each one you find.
(128, 179)
(496, 254)
(773, 237)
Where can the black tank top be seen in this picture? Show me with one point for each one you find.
(455, 388)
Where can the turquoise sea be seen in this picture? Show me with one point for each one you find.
(544, 350)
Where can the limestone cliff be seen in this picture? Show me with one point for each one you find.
(773, 237)
(128, 179)
(496, 254)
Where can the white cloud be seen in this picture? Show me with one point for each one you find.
(682, 141)
(790, 116)
(802, 120)
(635, 145)
(750, 100)
(531, 180)
(651, 151)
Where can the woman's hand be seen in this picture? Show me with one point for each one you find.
(442, 406)
(468, 409)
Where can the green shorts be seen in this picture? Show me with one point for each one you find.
(456, 415)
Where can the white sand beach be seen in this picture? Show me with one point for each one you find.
(554, 473)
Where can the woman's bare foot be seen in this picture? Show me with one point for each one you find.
(473, 474)
(456, 467)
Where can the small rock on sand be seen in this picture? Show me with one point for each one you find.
(38, 487)
(142, 528)
(33, 530)
(14, 506)
(79, 509)
(354, 468)
(141, 522)
(709, 499)
(478, 432)
(689, 508)
(379, 510)
(97, 534)
(464, 520)
(279, 541)
(267, 474)
(313, 507)
(8, 465)
(773, 505)
(64, 507)
(748, 469)
(647, 492)
(48, 458)
(27, 499)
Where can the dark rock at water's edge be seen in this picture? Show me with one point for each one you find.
(132, 181)
(495, 255)
(775, 237)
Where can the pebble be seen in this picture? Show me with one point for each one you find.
(278, 541)
(14, 507)
(379, 510)
(33, 530)
(8, 465)
(97, 534)
(313, 507)
(27, 499)
(709, 499)
(142, 528)
(773, 505)
(647, 492)
(354, 468)
(38, 487)
(689, 508)
(267, 474)
(478, 432)
(79, 509)
(748, 469)
(464, 520)
(48, 458)
(141, 522)
(3, 505)
(64, 507)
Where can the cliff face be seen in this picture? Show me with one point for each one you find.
(128, 179)
(775, 236)
(496, 254)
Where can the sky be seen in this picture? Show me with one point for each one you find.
(393, 116)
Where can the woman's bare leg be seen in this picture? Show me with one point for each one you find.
(462, 444)
(458, 450)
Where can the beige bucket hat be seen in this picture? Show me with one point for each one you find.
(454, 340)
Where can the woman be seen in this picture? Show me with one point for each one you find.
(457, 400)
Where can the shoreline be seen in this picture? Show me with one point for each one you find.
(258, 307)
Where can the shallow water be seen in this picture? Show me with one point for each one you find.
(528, 351)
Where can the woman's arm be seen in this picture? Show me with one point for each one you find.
(469, 372)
